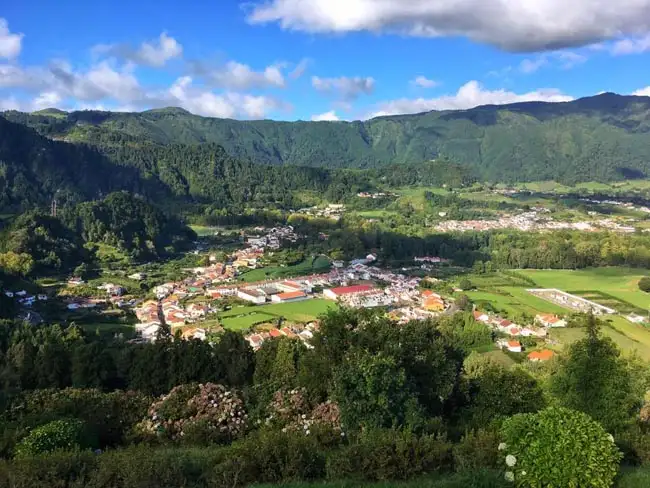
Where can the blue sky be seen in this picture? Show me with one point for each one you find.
(318, 59)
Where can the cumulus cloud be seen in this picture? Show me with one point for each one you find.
(10, 44)
(202, 101)
(154, 53)
(643, 92)
(518, 26)
(344, 88)
(327, 116)
(238, 76)
(424, 82)
(470, 95)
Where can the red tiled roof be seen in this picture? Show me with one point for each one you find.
(347, 290)
(514, 344)
(275, 333)
(292, 294)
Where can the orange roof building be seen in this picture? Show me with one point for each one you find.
(543, 355)
(291, 296)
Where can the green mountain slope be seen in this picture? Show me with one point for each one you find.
(598, 138)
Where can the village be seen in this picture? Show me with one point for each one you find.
(534, 220)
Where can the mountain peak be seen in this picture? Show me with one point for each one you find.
(168, 110)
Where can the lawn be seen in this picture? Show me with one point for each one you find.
(309, 266)
(241, 318)
(500, 357)
(619, 330)
(617, 282)
(514, 300)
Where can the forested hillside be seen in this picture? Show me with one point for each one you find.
(598, 138)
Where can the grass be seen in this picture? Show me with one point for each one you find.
(620, 283)
(513, 301)
(500, 357)
(376, 214)
(242, 318)
(309, 266)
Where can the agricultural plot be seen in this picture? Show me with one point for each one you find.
(242, 318)
(608, 300)
(320, 264)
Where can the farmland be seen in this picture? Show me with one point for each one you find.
(320, 264)
(612, 287)
(242, 318)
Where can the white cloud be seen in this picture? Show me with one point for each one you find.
(530, 25)
(424, 82)
(157, 55)
(10, 44)
(565, 60)
(470, 95)
(154, 53)
(239, 76)
(202, 101)
(643, 92)
(345, 88)
(327, 116)
(528, 66)
(631, 46)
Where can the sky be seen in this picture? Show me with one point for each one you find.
(318, 59)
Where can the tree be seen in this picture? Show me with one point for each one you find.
(494, 392)
(644, 284)
(16, 264)
(558, 447)
(594, 379)
(371, 391)
(465, 284)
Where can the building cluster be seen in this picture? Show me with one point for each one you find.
(334, 211)
(24, 298)
(539, 330)
(375, 195)
(303, 332)
(532, 221)
(626, 205)
(573, 302)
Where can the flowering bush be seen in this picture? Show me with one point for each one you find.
(197, 414)
(291, 411)
(558, 447)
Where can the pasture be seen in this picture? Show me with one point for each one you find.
(242, 318)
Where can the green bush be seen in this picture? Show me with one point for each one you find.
(644, 284)
(558, 447)
(60, 434)
(57, 470)
(635, 444)
(379, 455)
(477, 449)
(270, 457)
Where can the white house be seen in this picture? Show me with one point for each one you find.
(514, 346)
(255, 296)
(550, 320)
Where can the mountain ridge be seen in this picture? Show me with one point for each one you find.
(602, 138)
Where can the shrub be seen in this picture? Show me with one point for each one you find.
(644, 284)
(389, 455)
(197, 414)
(58, 469)
(477, 449)
(270, 457)
(60, 434)
(558, 447)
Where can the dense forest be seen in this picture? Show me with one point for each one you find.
(600, 138)
(370, 401)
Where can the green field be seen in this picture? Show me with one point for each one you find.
(241, 318)
(614, 287)
(309, 266)
(620, 283)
